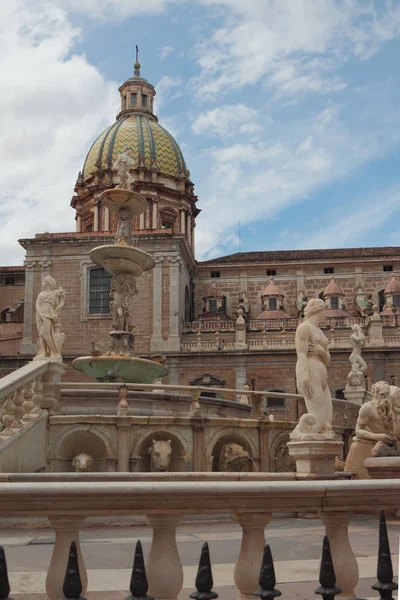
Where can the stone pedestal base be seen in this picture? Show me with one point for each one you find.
(387, 467)
(315, 459)
(355, 394)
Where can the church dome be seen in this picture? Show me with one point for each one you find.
(152, 146)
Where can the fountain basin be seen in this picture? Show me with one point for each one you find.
(129, 369)
(116, 199)
(121, 258)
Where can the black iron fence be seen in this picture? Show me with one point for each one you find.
(138, 587)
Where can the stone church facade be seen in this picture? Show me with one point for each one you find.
(224, 322)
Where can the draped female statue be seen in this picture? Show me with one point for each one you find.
(313, 358)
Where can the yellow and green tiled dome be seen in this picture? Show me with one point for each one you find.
(149, 142)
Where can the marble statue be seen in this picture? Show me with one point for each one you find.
(232, 457)
(357, 340)
(244, 398)
(48, 306)
(160, 455)
(82, 462)
(124, 227)
(377, 429)
(356, 377)
(123, 164)
(313, 358)
(123, 290)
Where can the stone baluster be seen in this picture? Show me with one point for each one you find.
(67, 531)
(164, 568)
(28, 403)
(37, 397)
(50, 378)
(247, 568)
(8, 417)
(19, 409)
(344, 561)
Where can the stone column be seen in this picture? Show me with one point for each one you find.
(67, 531)
(174, 342)
(106, 218)
(263, 428)
(163, 566)
(141, 221)
(155, 214)
(198, 447)
(157, 343)
(95, 211)
(26, 344)
(248, 564)
(189, 228)
(344, 561)
(123, 443)
(183, 221)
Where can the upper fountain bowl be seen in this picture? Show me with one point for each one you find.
(116, 199)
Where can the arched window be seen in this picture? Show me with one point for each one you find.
(99, 291)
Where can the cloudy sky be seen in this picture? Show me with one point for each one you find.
(287, 112)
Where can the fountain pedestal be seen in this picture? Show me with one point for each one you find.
(125, 263)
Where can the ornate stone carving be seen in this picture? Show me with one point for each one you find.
(244, 398)
(284, 463)
(124, 227)
(123, 164)
(232, 457)
(377, 429)
(313, 358)
(358, 365)
(160, 455)
(123, 291)
(82, 462)
(48, 306)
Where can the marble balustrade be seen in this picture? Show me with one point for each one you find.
(252, 502)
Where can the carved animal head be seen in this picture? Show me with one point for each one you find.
(82, 462)
(232, 457)
(160, 455)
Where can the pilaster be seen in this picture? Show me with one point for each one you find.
(157, 343)
(27, 346)
(175, 266)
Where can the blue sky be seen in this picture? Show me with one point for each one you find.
(287, 113)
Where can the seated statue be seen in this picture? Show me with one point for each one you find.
(377, 429)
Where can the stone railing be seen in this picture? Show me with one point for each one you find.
(252, 503)
(25, 393)
(272, 324)
(215, 325)
(10, 329)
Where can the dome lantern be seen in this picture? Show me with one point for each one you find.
(137, 94)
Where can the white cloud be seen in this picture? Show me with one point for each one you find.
(227, 121)
(256, 181)
(53, 104)
(168, 88)
(361, 218)
(117, 9)
(293, 46)
(166, 51)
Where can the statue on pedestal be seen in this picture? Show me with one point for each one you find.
(377, 429)
(313, 358)
(358, 364)
(48, 306)
(123, 164)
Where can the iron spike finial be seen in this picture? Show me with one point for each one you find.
(267, 579)
(204, 579)
(327, 578)
(139, 585)
(72, 587)
(385, 584)
(4, 583)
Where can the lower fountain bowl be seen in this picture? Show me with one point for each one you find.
(128, 369)
(121, 258)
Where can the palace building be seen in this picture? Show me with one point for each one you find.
(225, 322)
